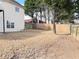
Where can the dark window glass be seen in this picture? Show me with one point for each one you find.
(8, 24)
(12, 25)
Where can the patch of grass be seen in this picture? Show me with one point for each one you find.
(28, 26)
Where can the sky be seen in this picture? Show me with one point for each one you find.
(21, 1)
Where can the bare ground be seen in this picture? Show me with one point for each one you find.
(38, 44)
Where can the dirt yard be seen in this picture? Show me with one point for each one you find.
(38, 44)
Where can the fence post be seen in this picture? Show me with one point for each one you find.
(70, 29)
(76, 30)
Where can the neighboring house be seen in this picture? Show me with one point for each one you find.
(76, 18)
(11, 16)
(44, 17)
(76, 21)
(27, 19)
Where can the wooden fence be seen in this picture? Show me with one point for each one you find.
(60, 28)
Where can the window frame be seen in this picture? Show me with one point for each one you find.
(10, 24)
(17, 9)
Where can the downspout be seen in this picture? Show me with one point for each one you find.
(3, 22)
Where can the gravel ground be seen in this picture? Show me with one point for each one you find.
(38, 44)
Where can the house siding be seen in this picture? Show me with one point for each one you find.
(12, 16)
(1, 22)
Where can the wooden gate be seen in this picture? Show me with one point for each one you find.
(63, 29)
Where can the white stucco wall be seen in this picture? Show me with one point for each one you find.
(12, 16)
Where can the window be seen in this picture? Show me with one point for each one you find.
(10, 24)
(17, 9)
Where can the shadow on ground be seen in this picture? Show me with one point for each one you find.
(20, 35)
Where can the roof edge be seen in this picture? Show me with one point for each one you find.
(18, 3)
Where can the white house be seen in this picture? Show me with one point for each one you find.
(11, 16)
(42, 16)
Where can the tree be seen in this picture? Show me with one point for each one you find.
(63, 9)
(30, 6)
(34, 6)
(51, 7)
